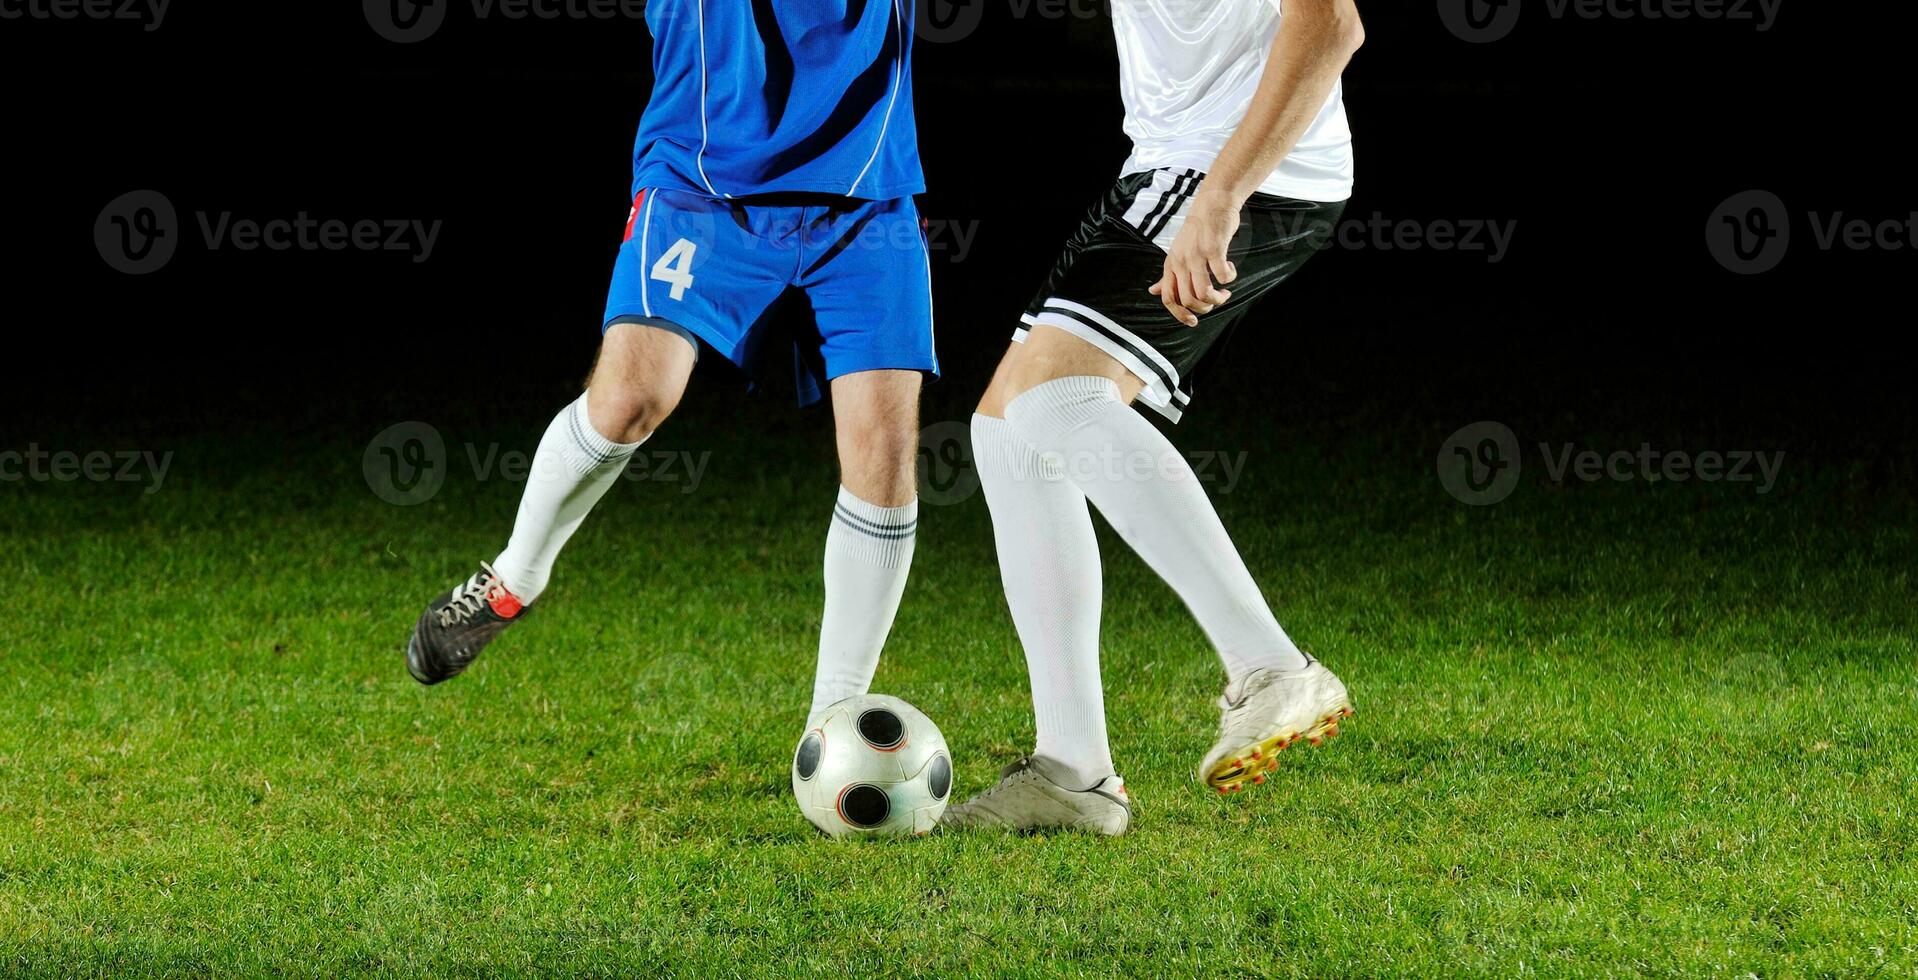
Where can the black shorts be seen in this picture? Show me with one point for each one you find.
(1097, 291)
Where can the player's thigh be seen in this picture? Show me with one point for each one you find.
(876, 425)
(687, 266)
(869, 283)
(1048, 354)
(639, 378)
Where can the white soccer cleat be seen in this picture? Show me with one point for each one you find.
(1271, 710)
(1026, 799)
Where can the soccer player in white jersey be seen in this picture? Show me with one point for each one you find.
(1241, 165)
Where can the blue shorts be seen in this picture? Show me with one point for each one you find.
(712, 268)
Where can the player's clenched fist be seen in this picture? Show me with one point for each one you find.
(1196, 267)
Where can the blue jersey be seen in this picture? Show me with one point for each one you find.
(754, 97)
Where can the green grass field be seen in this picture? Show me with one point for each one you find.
(1603, 728)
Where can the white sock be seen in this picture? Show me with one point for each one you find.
(1150, 495)
(573, 467)
(868, 553)
(1049, 563)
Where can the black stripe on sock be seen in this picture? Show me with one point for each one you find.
(579, 439)
(873, 529)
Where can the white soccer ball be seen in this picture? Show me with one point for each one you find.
(875, 766)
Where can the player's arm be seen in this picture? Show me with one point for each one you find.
(1316, 40)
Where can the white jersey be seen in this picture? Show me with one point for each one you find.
(1187, 70)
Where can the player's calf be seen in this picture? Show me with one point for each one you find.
(875, 521)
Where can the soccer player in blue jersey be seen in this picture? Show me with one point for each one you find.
(778, 153)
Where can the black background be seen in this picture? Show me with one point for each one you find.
(1608, 142)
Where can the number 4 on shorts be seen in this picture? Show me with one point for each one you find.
(675, 267)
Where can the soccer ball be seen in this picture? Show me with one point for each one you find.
(872, 766)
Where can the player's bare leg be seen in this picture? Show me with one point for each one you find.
(1046, 355)
(875, 523)
(876, 426)
(1066, 401)
(638, 380)
(636, 383)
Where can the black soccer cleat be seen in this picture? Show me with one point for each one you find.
(453, 630)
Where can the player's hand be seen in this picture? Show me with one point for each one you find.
(1197, 261)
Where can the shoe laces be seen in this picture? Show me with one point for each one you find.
(1007, 778)
(468, 599)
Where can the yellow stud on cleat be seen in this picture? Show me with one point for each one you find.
(1267, 712)
(1258, 760)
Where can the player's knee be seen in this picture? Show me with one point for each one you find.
(638, 380)
(627, 412)
(877, 461)
(890, 445)
(882, 486)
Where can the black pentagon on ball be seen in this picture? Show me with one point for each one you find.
(864, 805)
(939, 777)
(806, 760)
(881, 728)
